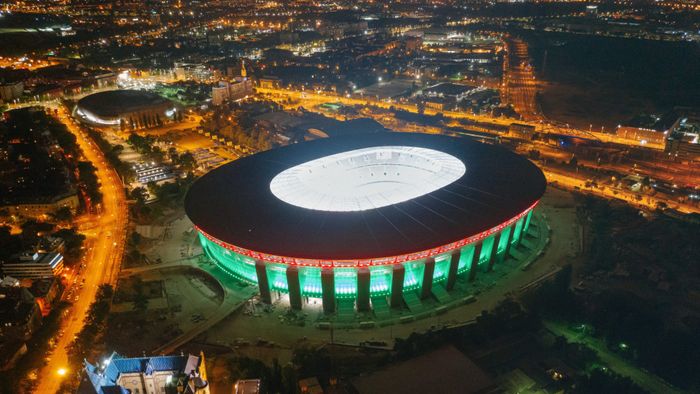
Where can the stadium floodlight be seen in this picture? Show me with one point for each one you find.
(366, 178)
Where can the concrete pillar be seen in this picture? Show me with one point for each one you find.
(475, 260)
(263, 283)
(428, 272)
(501, 257)
(510, 241)
(363, 278)
(452, 273)
(397, 277)
(206, 246)
(294, 287)
(494, 251)
(328, 289)
(522, 230)
(526, 226)
(489, 252)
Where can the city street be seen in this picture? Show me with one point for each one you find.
(310, 98)
(104, 250)
(519, 81)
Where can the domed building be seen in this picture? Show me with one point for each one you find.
(368, 218)
(126, 109)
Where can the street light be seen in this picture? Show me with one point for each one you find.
(62, 372)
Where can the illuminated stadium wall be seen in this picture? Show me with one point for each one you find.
(272, 273)
(371, 219)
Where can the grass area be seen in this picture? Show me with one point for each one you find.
(128, 288)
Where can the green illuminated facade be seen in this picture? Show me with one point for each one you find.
(364, 283)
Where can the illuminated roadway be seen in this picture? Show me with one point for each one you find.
(313, 98)
(104, 251)
(519, 80)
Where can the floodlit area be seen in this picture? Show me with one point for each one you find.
(95, 119)
(366, 178)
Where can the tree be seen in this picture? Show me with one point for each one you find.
(62, 214)
(157, 154)
(140, 298)
(187, 162)
(87, 175)
(172, 154)
(139, 194)
(646, 182)
(604, 381)
(135, 238)
(140, 302)
(152, 188)
(32, 230)
(11, 244)
(73, 240)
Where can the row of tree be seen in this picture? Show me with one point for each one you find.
(12, 244)
(112, 153)
(93, 325)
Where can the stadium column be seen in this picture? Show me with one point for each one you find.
(501, 257)
(452, 273)
(397, 277)
(510, 240)
(263, 282)
(494, 251)
(328, 289)
(363, 278)
(428, 273)
(519, 224)
(294, 287)
(475, 260)
(526, 227)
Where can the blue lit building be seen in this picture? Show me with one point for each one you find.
(146, 375)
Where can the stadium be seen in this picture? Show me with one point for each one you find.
(370, 219)
(126, 108)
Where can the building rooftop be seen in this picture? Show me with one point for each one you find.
(114, 103)
(235, 204)
(104, 378)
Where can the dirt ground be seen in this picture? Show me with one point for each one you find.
(188, 300)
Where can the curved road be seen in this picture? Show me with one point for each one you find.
(104, 251)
